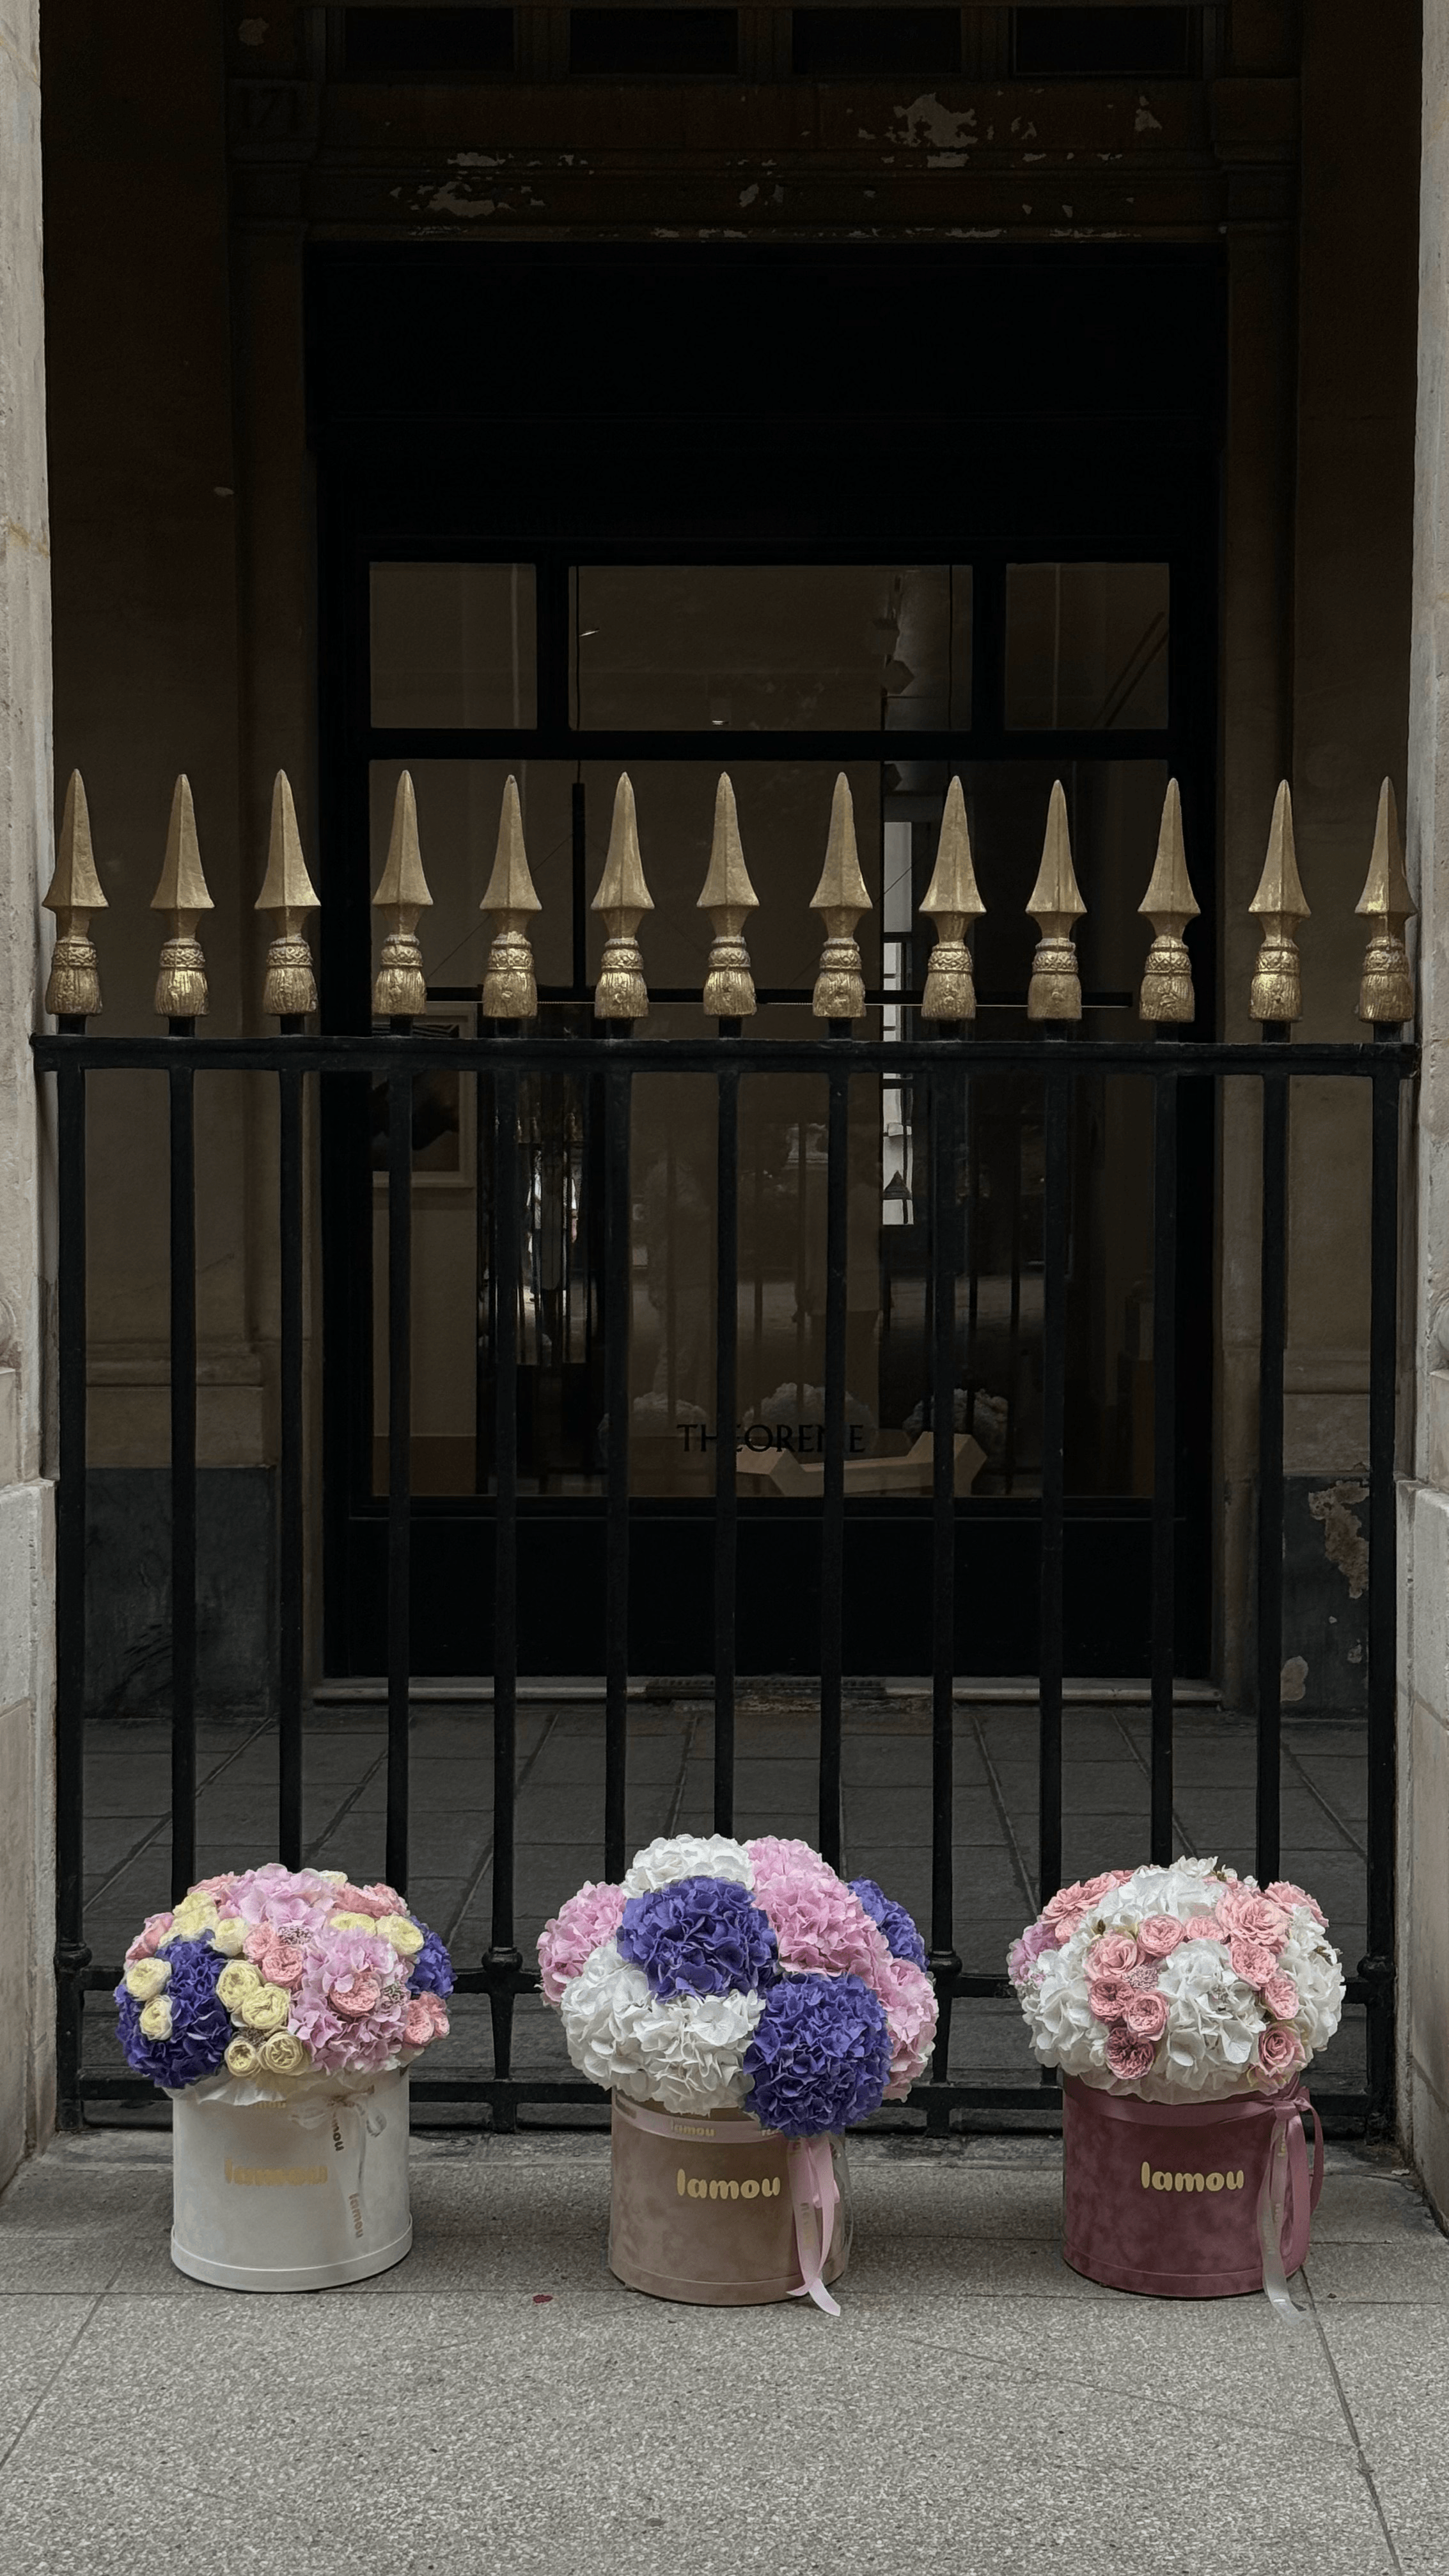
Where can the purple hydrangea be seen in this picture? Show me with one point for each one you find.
(200, 2025)
(699, 1936)
(432, 1969)
(820, 2058)
(901, 1937)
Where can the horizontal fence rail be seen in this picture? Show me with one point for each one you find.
(949, 1064)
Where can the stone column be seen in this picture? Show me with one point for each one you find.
(27, 2001)
(1423, 1947)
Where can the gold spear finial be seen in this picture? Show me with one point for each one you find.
(1280, 903)
(74, 989)
(181, 979)
(840, 898)
(1055, 904)
(623, 898)
(951, 900)
(1169, 904)
(400, 989)
(290, 990)
(727, 896)
(1386, 988)
(510, 991)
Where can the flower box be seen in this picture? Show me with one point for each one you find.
(279, 2009)
(1182, 2005)
(741, 2001)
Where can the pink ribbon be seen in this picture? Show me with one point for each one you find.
(1287, 2158)
(816, 2195)
(814, 2191)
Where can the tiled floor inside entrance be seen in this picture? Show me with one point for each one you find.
(671, 1751)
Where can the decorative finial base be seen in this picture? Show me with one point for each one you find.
(621, 992)
(950, 992)
(181, 981)
(1055, 990)
(840, 984)
(74, 989)
(1277, 981)
(400, 990)
(1386, 991)
(510, 991)
(729, 985)
(290, 990)
(1167, 993)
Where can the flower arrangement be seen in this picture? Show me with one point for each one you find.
(277, 1973)
(718, 1975)
(1180, 1984)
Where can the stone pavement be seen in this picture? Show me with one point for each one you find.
(499, 2403)
(887, 1762)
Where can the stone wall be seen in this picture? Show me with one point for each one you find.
(1424, 1493)
(27, 2008)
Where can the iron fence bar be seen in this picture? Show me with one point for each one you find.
(182, 1105)
(72, 1957)
(1376, 1968)
(832, 1514)
(503, 1955)
(426, 1052)
(726, 1410)
(945, 1962)
(291, 1522)
(1164, 1447)
(399, 1460)
(618, 1336)
(1050, 1664)
(1272, 1330)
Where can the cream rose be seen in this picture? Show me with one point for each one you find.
(353, 1923)
(284, 2053)
(402, 1932)
(228, 1935)
(267, 2008)
(238, 1979)
(148, 1978)
(241, 2057)
(156, 2019)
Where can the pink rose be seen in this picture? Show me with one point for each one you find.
(1280, 1995)
(1109, 1997)
(283, 1965)
(1128, 2057)
(1204, 1927)
(417, 2025)
(355, 1994)
(1257, 1916)
(1280, 2052)
(258, 1943)
(1146, 2016)
(148, 1939)
(1092, 1890)
(1252, 1960)
(1112, 1956)
(1158, 1935)
(1065, 1927)
(1284, 1893)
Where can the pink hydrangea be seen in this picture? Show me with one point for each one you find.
(573, 1934)
(219, 1887)
(342, 1969)
(910, 2003)
(275, 1896)
(818, 1921)
(1023, 1954)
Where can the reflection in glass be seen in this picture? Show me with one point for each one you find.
(763, 648)
(453, 644)
(1086, 646)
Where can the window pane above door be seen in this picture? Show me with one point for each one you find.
(1086, 646)
(765, 648)
(453, 644)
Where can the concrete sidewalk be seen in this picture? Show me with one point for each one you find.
(498, 2402)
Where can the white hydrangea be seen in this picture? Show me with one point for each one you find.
(675, 1856)
(687, 2053)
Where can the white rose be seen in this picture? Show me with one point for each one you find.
(674, 1856)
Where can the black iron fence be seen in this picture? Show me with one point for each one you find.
(944, 1066)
